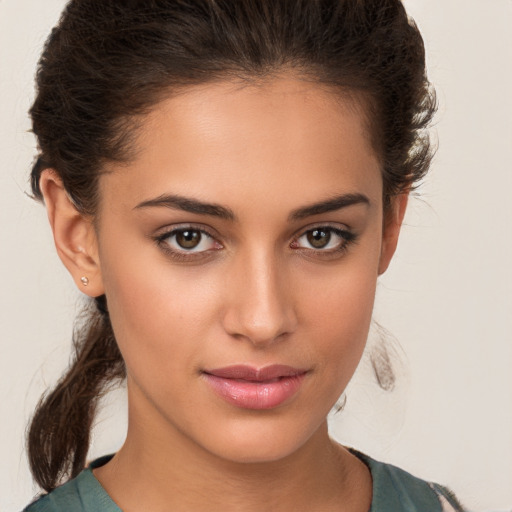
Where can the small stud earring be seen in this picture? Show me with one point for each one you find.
(85, 280)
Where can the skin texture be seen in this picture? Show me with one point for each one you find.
(255, 292)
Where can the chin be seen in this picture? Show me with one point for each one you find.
(259, 442)
(257, 453)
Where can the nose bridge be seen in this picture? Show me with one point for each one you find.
(260, 307)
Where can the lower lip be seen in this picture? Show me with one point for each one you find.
(255, 395)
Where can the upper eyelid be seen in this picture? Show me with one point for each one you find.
(328, 224)
(317, 225)
(199, 226)
(327, 228)
(170, 230)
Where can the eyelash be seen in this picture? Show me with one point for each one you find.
(347, 238)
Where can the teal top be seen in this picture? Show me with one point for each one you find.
(394, 490)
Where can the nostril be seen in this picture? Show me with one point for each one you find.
(258, 333)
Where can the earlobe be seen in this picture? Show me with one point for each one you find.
(74, 235)
(391, 230)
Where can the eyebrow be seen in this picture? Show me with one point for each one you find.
(329, 205)
(188, 204)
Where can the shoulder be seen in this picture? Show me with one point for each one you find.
(81, 494)
(63, 498)
(397, 490)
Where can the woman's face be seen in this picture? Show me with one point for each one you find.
(239, 253)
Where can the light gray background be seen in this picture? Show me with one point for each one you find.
(447, 297)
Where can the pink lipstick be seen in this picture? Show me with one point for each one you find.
(251, 388)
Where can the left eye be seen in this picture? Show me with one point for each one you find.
(189, 240)
(323, 238)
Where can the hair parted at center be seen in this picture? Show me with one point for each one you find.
(108, 63)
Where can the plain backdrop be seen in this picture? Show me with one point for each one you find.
(446, 302)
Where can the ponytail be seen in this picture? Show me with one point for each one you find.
(59, 433)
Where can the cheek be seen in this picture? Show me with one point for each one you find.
(159, 316)
(343, 316)
(337, 317)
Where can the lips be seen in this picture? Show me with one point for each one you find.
(252, 388)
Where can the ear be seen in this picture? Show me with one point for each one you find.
(392, 224)
(74, 235)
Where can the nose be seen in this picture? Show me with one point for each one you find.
(260, 305)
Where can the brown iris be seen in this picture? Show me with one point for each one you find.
(318, 238)
(188, 239)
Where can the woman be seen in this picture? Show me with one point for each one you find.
(226, 180)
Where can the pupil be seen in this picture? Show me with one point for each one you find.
(188, 239)
(319, 238)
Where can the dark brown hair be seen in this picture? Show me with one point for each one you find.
(108, 62)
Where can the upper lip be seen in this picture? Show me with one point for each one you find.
(250, 373)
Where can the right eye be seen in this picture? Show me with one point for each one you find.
(187, 240)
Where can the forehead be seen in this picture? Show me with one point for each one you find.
(284, 138)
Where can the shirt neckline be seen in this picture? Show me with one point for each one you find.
(382, 499)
